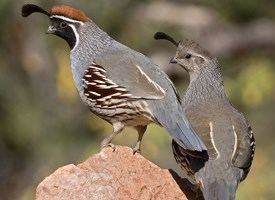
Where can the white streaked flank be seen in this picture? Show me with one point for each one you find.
(91, 100)
(94, 93)
(94, 66)
(106, 86)
(201, 183)
(111, 82)
(212, 139)
(103, 87)
(117, 94)
(121, 89)
(99, 81)
(99, 74)
(235, 142)
(127, 95)
(91, 83)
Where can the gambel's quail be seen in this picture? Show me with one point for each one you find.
(225, 131)
(120, 85)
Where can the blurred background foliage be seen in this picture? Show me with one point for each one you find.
(43, 124)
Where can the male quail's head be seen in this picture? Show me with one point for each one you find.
(189, 55)
(65, 21)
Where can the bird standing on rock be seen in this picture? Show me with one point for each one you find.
(225, 131)
(120, 85)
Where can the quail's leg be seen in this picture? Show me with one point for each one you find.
(141, 130)
(117, 128)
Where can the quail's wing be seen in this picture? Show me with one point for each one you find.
(123, 75)
(245, 145)
(190, 161)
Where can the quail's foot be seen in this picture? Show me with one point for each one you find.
(141, 130)
(107, 143)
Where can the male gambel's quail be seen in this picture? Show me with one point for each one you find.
(225, 131)
(118, 84)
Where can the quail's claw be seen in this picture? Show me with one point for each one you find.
(107, 143)
(104, 145)
(136, 149)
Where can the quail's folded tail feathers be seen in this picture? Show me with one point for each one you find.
(182, 132)
(215, 184)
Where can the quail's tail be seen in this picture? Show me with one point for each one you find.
(212, 184)
(218, 190)
(182, 132)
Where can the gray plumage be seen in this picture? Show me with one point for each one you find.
(118, 84)
(122, 65)
(225, 131)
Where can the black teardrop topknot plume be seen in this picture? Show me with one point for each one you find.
(164, 36)
(28, 9)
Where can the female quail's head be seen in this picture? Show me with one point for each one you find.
(189, 55)
(65, 21)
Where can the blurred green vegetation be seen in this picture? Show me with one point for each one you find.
(43, 124)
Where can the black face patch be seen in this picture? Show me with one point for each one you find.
(64, 30)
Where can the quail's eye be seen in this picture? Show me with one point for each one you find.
(63, 25)
(187, 56)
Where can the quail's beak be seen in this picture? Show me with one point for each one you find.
(173, 60)
(51, 30)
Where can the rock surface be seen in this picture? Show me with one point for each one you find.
(109, 175)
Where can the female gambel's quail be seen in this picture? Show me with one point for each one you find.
(118, 84)
(224, 130)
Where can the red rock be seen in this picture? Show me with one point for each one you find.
(109, 175)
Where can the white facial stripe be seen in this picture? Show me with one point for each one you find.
(198, 55)
(66, 19)
(76, 35)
